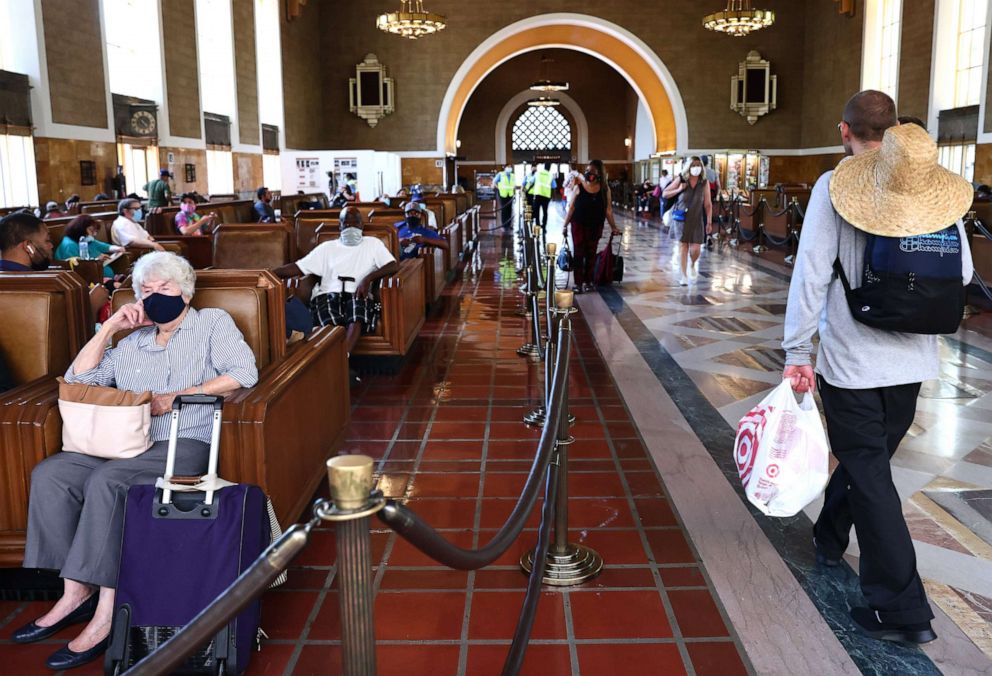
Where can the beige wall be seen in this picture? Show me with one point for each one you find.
(302, 62)
(832, 71)
(246, 70)
(182, 79)
(247, 172)
(915, 58)
(184, 156)
(421, 170)
(75, 62)
(806, 169)
(57, 165)
(983, 163)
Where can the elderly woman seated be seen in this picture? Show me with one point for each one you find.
(75, 515)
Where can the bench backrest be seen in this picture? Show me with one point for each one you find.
(290, 204)
(253, 246)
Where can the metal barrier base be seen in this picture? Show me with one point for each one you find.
(531, 351)
(578, 564)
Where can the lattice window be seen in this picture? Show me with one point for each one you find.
(540, 128)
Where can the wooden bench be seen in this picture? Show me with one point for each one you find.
(253, 245)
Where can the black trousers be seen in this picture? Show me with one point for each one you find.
(865, 428)
(505, 210)
(541, 210)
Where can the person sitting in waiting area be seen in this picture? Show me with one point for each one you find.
(127, 231)
(983, 193)
(86, 226)
(72, 204)
(263, 206)
(52, 211)
(76, 510)
(414, 236)
(344, 196)
(428, 214)
(188, 222)
(347, 267)
(26, 246)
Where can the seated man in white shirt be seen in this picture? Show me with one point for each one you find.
(127, 231)
(347, 268)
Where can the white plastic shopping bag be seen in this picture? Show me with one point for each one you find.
(782, 453)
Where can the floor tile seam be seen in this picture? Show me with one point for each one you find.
(507, 567)
(311, 618)
(645, 544)
(514, 590)
(505, 642)
(573, 653)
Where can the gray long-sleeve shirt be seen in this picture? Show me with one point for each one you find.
(851, 355)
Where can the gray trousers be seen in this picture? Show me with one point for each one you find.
(76, 510)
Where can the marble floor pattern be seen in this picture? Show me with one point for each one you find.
(724, 330)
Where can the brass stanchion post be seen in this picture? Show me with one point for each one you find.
(532, 350)
(353, 502)
(568, 563)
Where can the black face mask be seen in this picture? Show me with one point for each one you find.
(39, 261)
(591, 176)
(413, 221)
(163, 309)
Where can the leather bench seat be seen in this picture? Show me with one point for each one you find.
(253, 246)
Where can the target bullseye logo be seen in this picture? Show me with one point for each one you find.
(772, 471)
(748, 437)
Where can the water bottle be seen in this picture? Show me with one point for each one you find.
(84, 248)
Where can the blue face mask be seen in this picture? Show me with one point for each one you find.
(137, 215)
(163, 309)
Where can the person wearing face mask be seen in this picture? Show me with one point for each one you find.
(505, 187)
(188, 222)
(544, 184)
(589, 204)
(696, 208)
(414, 236)
(25, 244)
(75, 513)
(344, 270)
(127, 231)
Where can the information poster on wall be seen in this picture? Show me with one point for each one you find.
(307, 173)
(485, 185)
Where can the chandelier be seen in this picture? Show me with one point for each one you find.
(412, 21)
(544, 102)
(739, 19)
(546, 84)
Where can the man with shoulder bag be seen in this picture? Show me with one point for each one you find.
(887, 221)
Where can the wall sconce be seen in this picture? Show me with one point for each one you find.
(626, 142)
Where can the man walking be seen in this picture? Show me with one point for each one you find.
(544, 183)
(505, 187)
(869, 378)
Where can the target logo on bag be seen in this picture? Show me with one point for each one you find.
(772, 471)
(748, 438)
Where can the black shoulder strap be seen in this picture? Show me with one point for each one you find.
(839, 269)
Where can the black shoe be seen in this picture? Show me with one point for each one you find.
(31, 632)
(64, 658)
(823, 559)
(868, 622)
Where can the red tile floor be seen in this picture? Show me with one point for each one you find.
(447, 434)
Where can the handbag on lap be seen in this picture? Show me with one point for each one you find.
(103, 421)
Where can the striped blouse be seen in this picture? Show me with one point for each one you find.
(206, 345)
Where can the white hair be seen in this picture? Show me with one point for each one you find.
(164, 266)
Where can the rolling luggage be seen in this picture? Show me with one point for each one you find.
(180, 551)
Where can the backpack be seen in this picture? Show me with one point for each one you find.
(910, 284)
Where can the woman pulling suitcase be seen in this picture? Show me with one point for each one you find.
(589, 204)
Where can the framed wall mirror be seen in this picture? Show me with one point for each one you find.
(370, 92)
(754, 90)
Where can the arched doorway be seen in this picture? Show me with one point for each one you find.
(581, 149)
(604, 40)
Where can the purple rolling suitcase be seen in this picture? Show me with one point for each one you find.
(179, 552)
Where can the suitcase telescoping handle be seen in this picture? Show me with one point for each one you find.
(170, 460)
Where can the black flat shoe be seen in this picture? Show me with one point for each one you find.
(31, 632)
(64, 658)
(868, 622)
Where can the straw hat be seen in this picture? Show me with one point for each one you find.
(898, 189)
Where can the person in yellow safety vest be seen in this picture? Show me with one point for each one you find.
(528, 187)
(543, 185)
(505, 187)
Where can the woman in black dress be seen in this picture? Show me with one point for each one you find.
(589, 205)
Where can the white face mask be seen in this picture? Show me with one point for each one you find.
(696, 171)
(351, 236)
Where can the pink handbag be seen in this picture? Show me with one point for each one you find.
(103, 421)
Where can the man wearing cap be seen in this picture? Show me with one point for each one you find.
(159, 193)
(869, 379)
(345, 269)
(428, 214)
(414, 236)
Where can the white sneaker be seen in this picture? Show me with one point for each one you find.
(683, 281)
(693, 273)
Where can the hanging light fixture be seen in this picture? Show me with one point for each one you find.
(546, 84)
(544, 102)
(412, 21)
(739, 19)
